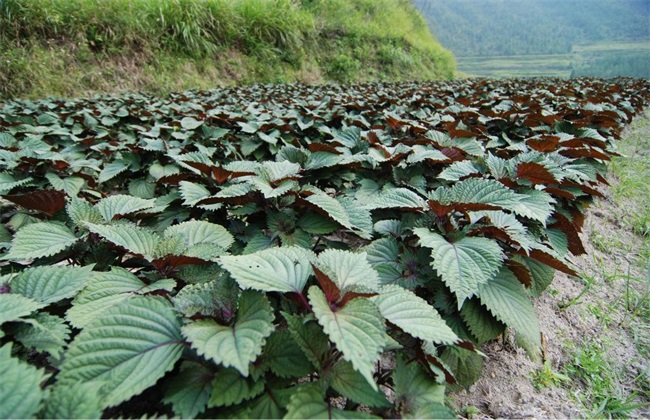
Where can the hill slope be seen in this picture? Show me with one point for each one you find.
(517, 27)
(76, 47)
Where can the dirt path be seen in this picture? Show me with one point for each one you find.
(590, 337)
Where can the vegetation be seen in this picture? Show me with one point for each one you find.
(532, 27)
(553, 38)
(601, 396)
(633, 189)
(605, 59)
(287, 251)
(72, 47)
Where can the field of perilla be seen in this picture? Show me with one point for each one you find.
(287, 250)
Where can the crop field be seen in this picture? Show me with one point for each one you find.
(549, 65)
(602, 59)
(285, 250)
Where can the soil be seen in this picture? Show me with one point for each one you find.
(506, 389)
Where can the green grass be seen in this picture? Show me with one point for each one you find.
(80, 47)
(190, 26)
(546, 377)
(601, 395)
(633, 187)
(600, 383)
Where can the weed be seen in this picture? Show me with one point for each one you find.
(588, 282)
(547, 377)
(633, 188)
(601, 395)
(343, 68)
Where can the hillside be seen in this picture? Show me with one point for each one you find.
(77, 47)
(555, 38)
(517, 27)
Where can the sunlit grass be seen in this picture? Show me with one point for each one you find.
(74, 47)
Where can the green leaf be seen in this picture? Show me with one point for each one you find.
(509, 224)
(192, 193)
(506, 299)
(284, 356)
(274, 179)
(157, 171)
(558, 241)
(20, 390)
(189, 123)
(458, 170)
(414, 389)
(5, 236)
(121, 204)
(71, 185)
(359, 217)
(466, 365)
(112, 170)
(332, 207)
(383, 251)
(14, 307)
(38, 240)
(217, 297)
(399, 198)
(316, 224)
(283, 269)
(144, 338)
(308, 402)
(44, 332)
(138, 240)
(541, 274)
(310, 337)
(463, 264)
(8, 182)
(535, 204)
(484, 191)
(189, 391)
(237, 345)
(348, 270)
(229, 388)
(49, 284)
(480, 322)
(143, 188)
(351, 384)
(103, 291)
(75, 401)
(271, 404)
(197, 232)
(413, 314)
(81, 211)
(357, 330)
(390, 227)
(432, 411)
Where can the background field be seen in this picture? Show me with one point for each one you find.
(600, 59)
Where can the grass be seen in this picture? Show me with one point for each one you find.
(189, 26)
(546, 377)
(601, 395)
(80, 47)
(633, 189)
(605, 390)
